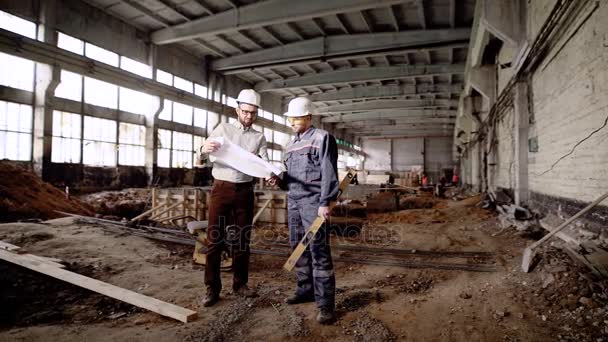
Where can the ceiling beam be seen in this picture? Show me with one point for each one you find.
(344, 46)
(319, 26)
(403, 131)
(376, 92)
(367, 21)
(384, 122)
(421, 15)
(383, 105)
(412, 113)
(393, 16)
(360, 75)
(411, 126)
(164, 22)
(452, 13)
(261, 14)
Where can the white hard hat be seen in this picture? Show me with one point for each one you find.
(249, 96)
(300, 106)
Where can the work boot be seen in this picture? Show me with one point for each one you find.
(210, 299)
(326, 316)
(297, 299)
(246, 291)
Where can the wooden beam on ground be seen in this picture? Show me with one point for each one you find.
(51, 261)
(162, 308)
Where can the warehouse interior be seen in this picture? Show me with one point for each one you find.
(477, 130)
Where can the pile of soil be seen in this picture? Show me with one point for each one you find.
(24, 195)
(415, 202)
(126, 203)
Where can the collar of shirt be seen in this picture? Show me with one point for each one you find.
(306, 134)
(240, 126)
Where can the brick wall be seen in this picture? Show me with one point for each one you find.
(569, 101)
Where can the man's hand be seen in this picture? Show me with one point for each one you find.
(210, 146)
(272, 181)
(323, 212)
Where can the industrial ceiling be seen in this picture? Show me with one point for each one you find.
(373, 67)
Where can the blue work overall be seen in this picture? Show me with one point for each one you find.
(311, 181)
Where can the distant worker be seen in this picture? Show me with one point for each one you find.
(232, 199)
(455, 179)
(312, 183)
(425, 179)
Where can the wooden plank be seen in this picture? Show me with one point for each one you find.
(316, 225)
(162, 308)
(146, 213)
(196, 215)
(51, 261)
(257, 216)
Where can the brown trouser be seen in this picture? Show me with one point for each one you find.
(231, 203)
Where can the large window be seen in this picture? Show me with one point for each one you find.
(138, 68)
(201, 91)
(99, 142)
(101, 54)
(70, 86)
(268, 134)
(66, 137)
(175, 149)
(182, 113)
(232, 102)
(16, 72)
(177, 112)
(200, 118)
(281, 138)
(137, 102)
(100, 93)
(182, 150)
(131, 144)
(279, 119)
(15, 24)
(183, 84)
(70, 43)
(213, 119)
(15, 131)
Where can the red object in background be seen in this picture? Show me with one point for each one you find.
(425, 180)
(455, 179)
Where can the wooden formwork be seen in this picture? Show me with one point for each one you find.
(276, 211)
(194, 202)
(182, 201)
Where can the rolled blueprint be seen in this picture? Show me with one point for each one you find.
(238, 158)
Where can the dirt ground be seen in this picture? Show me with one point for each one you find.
(560, 300)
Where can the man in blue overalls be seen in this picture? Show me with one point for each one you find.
(312, 183)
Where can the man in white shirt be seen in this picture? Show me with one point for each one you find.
(232, 199)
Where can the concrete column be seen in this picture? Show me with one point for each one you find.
(521, 124)
(47, 78)
(151, 159)
(504, 20)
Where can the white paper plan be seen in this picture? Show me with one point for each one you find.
(240, 159)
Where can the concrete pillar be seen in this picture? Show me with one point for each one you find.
(47, 78)
(521, 124)
(505, 20)
(483, 79)
(151, 159)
